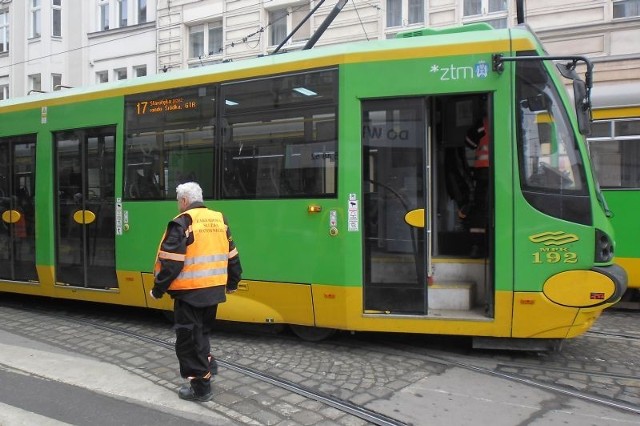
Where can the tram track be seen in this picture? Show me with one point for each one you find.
(378, 347)
(564, 390)
(339, 404)
(500, 369)
(613, 335)
(342, 405)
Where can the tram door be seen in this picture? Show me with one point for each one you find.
(17, 208)
(394, 183)
(85, 217)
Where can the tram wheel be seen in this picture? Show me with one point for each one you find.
(312, 334)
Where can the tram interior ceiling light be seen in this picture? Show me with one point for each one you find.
(305, 91)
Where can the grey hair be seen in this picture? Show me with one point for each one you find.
(190, 191)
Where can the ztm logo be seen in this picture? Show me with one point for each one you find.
(557, 238)
(453, 72)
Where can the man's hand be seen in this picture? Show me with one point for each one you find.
(152, 296)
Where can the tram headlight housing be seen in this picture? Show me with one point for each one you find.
(604, 247)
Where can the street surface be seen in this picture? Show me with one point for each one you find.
(76, 363)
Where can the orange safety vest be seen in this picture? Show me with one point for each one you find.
(206, 260)
(482, 151)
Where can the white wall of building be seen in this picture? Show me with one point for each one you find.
(164, 41)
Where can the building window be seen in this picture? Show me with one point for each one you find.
(205, 40)
(626, 9)
(35, 82)
(102, 77)
(493, 12)
(56, 82)
(140, 71)
(401, 12)
(120, 74)
(56, 18)
(277, 26)
(4, 31)
(214, 38)
(36, 11)
(482, 7)
(283, 21)
(4, 92)
(142, 11)
(103, 15)
(122, 13)
(394, 13)
(416, 11)
(196, 41)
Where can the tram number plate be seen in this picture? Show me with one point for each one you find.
(555, 257)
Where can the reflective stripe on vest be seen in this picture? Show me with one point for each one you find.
(205, 263)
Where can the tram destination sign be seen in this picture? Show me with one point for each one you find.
(170, 108)
(166, 105)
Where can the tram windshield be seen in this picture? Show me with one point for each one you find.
(551, 168)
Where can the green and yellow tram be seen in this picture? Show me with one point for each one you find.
(615, 150)
(341, 171)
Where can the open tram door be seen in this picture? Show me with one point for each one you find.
(426, 252)
(85, 209)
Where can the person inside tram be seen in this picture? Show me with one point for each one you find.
(476, 215)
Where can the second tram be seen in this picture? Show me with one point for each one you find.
(615, 150)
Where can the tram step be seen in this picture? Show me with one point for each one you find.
(454, 295)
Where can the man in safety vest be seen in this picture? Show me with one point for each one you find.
(478, 139)
(197, 264)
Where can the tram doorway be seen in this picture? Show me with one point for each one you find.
(17, 208)
(419, 254)
(85, 208)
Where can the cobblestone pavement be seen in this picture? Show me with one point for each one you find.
(359, 368)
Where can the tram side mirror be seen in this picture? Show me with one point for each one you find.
(568, 71)
(582, 106)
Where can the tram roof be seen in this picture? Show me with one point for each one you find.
(615, 95)
(437, 44)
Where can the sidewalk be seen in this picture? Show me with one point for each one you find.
(46, 386)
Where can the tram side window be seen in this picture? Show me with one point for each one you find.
(615, 150)
(279, 137)
(169, 140)
(552, 174)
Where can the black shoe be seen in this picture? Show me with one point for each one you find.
(187, 393)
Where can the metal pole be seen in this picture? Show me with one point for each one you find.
(327, 21)
(306, 18)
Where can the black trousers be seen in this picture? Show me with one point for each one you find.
(193, 325)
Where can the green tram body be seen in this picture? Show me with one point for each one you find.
(614, 145)
(315, 157)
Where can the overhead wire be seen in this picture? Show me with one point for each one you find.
(245, 39)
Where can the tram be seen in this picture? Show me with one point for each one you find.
(615, 151)
(341, 171)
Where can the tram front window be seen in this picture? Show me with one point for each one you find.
(552, 174)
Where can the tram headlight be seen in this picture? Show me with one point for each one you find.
(604, 247)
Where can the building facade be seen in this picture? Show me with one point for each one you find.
(47, 45)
